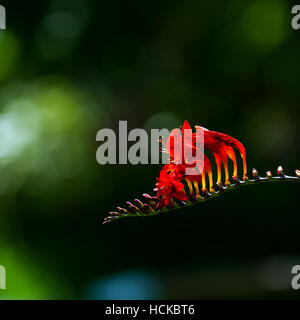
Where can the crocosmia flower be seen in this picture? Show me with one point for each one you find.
(219, 144)
(222, 145)
(169, 186)
(188, 177)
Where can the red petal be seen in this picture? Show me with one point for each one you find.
(178, 186)
(180, 195)
(186, 125)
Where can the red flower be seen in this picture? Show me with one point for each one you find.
(177, 170)
(178, 155)
(201, 177)
(222, 146)
(169, 186)
(188, 141)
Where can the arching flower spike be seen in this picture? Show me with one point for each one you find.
(176, 189)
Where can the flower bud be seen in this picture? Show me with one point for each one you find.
(255, 174)
(132, 208)
(121, 210)
(147, 208)
(139, 203)
(236, 179)
(280, 172)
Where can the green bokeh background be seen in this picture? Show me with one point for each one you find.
(69, 68)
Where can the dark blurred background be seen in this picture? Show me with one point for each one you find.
(69, 68)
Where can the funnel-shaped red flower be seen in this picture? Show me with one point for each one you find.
(222, 147)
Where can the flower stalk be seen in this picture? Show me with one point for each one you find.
(150, 202)
(186, 182)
